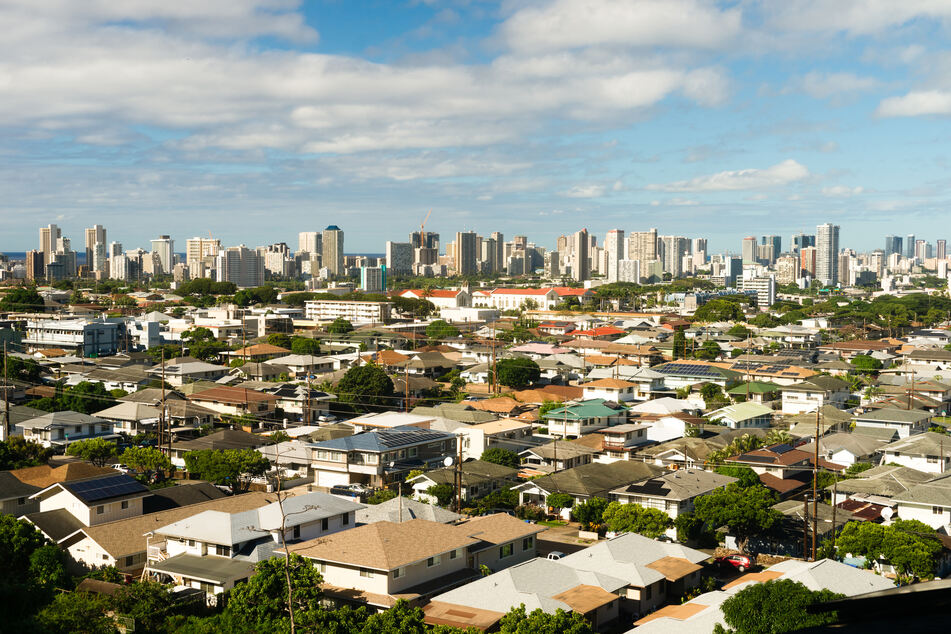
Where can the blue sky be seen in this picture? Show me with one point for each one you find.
(257, 119)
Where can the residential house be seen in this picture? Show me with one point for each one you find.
(622, 441)
(18, 486)
(536, 584)
(92, 501)
(933, 359)
(440, 298)
(214, 550)
(299, 400)
(615, 390)
(479, 478)
(403, 509)
(188, 372)
(656, 572)
(578, 419)
(755, 391)
(673, 492)
(830, 420)
(220, 440)
(847, 449)
(60, 429)
(906, 422)
(684, 373)
(785, 538)
(257, 352)
(131, 418)
(928, 502)
(811, 394)
(929, 452)
(302, 366)
(880, 484)
(235, 401)
(596, 479)
(743, 415)
(557, 455)
(377, 458)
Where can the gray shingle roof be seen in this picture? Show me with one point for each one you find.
(389, 511)
(894, 415)
(385, 440)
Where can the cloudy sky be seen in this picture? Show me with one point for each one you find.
(256, 119)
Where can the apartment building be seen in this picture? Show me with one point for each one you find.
(362, 312)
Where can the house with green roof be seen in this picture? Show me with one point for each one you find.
(743, 415)
(755, 391)
(576, 419)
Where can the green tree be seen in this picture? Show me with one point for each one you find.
(305, 345)
(517, 373)
(746, 510)
(84, 397)
(340, 326)
(866, 363)
(48, 567)
(505, 499)
(441, 329)
(909, 545)
(504, 457)
(516, 621)
(73, 612)
(738, 330)
(590, 512)
(381, 496)
(98, 451)
(399, 619)
(775, 606)
(202, 344)
(745, 476)
(679, 350)
(443, 493)
(366, 386)
(151, 463)
(634, 518)
(147, 602)
(262, 600)
(279, 339)
(560, 501)
(708, 351)
(22, 300)
(17, 452)
(231, 467)
(777, 436)
(719, 310)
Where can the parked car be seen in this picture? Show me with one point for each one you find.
(740, 563)
(120, 468)
(555, 555)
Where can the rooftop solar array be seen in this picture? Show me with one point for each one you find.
(104, 488)
(393, 438)
(689, 369)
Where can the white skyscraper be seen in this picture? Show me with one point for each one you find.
(614, 248)
(308, 242)
(332, 250)
(580, 263)
(827, 254)
(165, 247)
(48, 237)
(240, 265)
(95, 235)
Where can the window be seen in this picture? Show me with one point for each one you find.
(932, 459)
(937, 510)
(21, 501)
(209, 588)
(412, 452)
(297, 532)
(453, 554)
(399, 572)
(325, 524)
(647, 592)
(345, 519)
(125, 504)
(128, 560)
(223, 551)
(100, 510)
(506, 551)
(191, 542)
(432, 561)
(321, 567)
(366, 573)
(528, 542)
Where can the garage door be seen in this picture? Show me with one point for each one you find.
(332, 478)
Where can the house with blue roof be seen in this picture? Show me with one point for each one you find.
(377, 458)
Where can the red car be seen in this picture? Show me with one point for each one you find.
(741, 563)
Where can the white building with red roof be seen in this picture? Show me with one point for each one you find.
(441, 298)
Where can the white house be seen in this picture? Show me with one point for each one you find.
(929, 452)
(813, 393)
(905, 421)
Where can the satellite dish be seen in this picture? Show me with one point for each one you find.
(887, 513)
(392, 464)
(447, 462)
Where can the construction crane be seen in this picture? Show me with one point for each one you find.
(422, 225)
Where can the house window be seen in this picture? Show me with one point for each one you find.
(208, 588)
(506, 551)
(647, 592)
(345, 519)
(324, 524)
(297, 532)
(432, 561)
(399, 572)
(412, 452)
(366, 573)
(191, 542)
(321, 567)
(937, 510)
(528, 543)
(223, 551)
(21, 501)
(129, 560)
(453, 554)
(124, 505)
(100, 510)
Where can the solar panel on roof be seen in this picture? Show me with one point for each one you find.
(104, 488)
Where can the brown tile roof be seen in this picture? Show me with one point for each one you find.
(765, 575)
(585, 598)
(612, 383)
(498, 528)
(231, 395)
(501, 405)
(780, 485)
(550, 393)
(260, 348)
(680, 612)
(127, 537)
(674, 568)
(45, 475)
(602, 359)
(461, 616)
(385, 545)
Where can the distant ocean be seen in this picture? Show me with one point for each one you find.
(81, 255)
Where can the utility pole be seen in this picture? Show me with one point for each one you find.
(458, 476)
(815, 490)
(5, 431)
(835, 496)
(406, 386)
(161, 422)
(805, 528)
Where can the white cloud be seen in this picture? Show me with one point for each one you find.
(915, 104)
(824, 85)
(565, 24)
(789, 171)
(584, 191)
(855, 17)
(841, 191)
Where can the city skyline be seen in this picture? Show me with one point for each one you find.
(728, 118)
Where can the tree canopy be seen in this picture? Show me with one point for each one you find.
(340, 326)
(909, 545)
(440, 329)
(22, 300)
(775, 606)
(517, 373)
(746, 510)
(516, 621)
(590, 512)
(17, 452)
(719, 310)
(634, 518)
(98, 451)
(149, 462)
(366, 386)
(305, 345)
(231, 467)
(500, 456)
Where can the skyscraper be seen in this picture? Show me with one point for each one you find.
(196, 250)
(749, 250)
(165, 247)
(332, 250)
(580, 264)
(910, 246)
(308, 242)
(776, 242)
(399, 257)
(642, 247)
(942, 251)
(614, 248)
(241, 266)
(892, 245)
(675, 247)
(827, 254)
(48, 237)
(465, 256)
(373, 279)
(801, 240)
(95, 235)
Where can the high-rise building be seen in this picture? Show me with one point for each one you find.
(308, 242)
(465, 254)
(922, 250)
(35, 265)
(675, 247)
(332, 250)
(801, 240)
(399, 257)
(910, 246)
(165, 247)
(892, 245)
(827, 254)
(942, 251)
(552, 264)
(95, 235)
(373, 279)
(698, 245)
(580, 263)
(808, 257)
(777, 244)
(241, 266)
(615, 251)
(48, 238)
(787, 269)
(642, 247)
(197, 249)
(749, 250)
